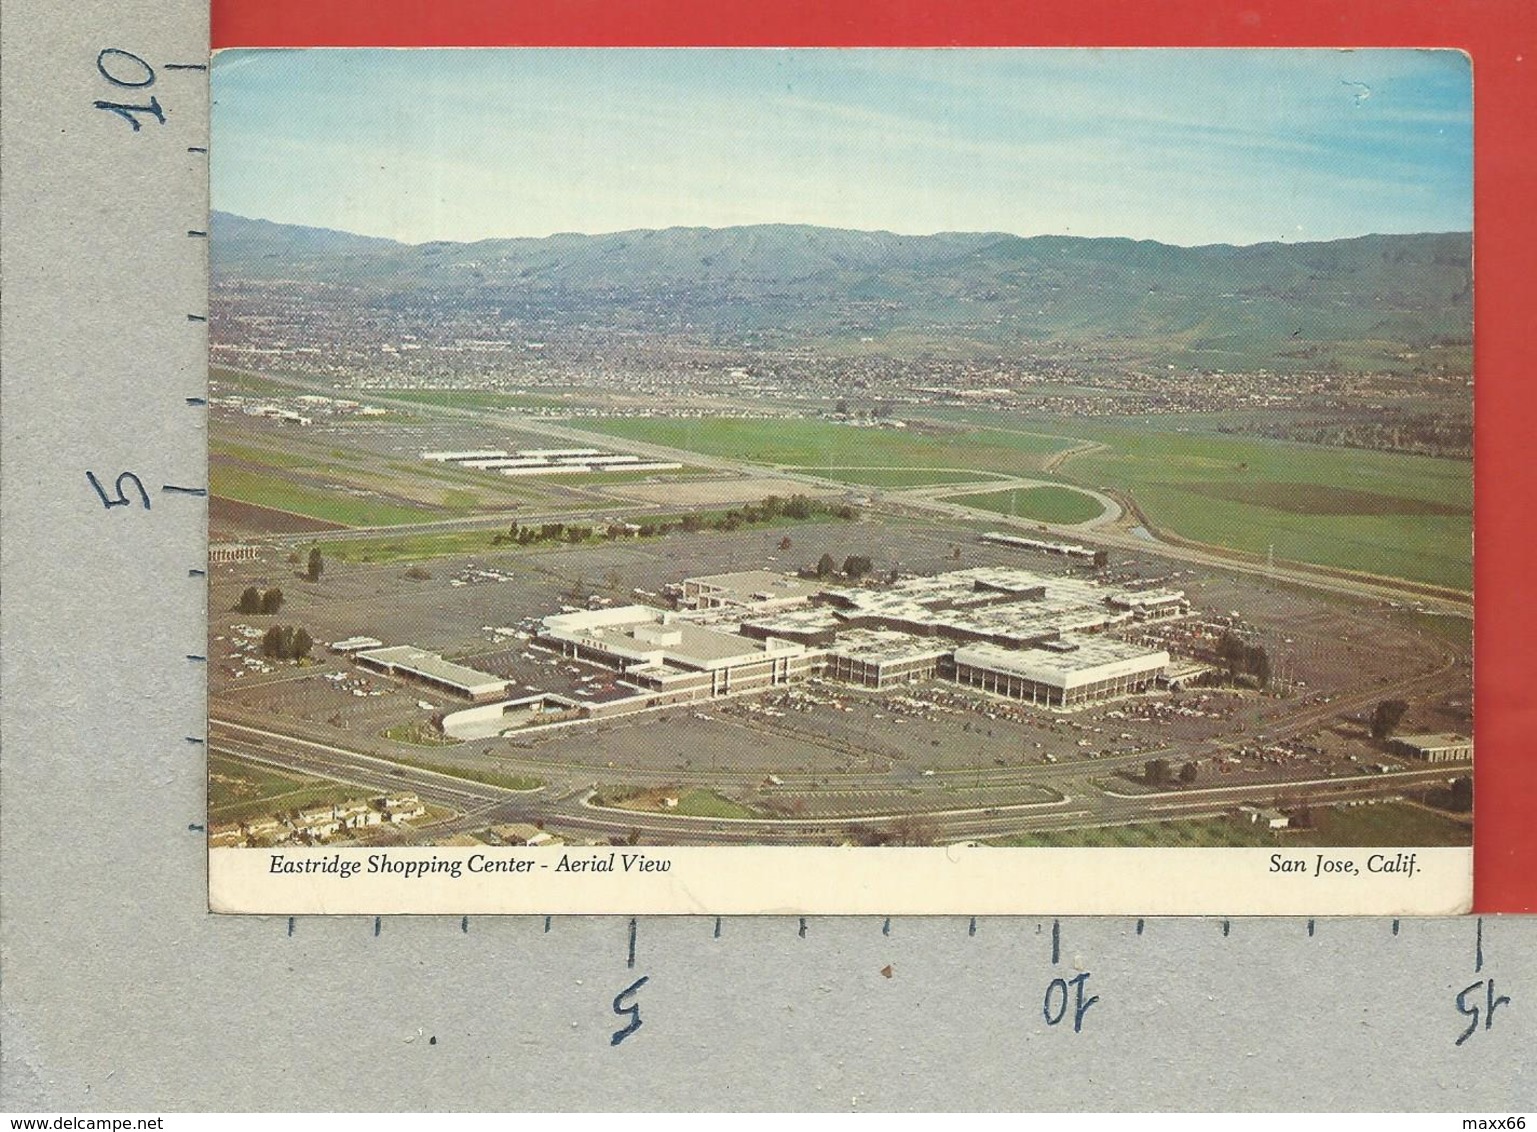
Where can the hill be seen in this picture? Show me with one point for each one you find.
(1373, 302)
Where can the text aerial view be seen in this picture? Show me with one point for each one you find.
(828, 447)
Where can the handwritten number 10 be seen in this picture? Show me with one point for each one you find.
(125, 69)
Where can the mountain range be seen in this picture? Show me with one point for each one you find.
(1396, 302)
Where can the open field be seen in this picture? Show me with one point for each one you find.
(897, 477)
(1381, 513)
(1323, 499)
(691, 804)
(812, 445)
(238, 789)
(412, 547)
(1048, 504)
(330, 506)
(488, 776)
(1385, 824)
(233, 515)
(715, 492)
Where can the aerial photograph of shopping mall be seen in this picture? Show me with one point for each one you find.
(840, 448)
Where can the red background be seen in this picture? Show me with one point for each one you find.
(1501, 37)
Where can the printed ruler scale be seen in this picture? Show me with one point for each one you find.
(122, 993)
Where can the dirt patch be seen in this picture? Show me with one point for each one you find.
(231, 517)
(707, 493)
(1320, 499)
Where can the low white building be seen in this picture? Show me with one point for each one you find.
(1062, 673)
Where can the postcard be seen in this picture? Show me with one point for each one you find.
(841, 481)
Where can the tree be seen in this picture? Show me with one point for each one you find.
(272, 642)
(1156, 772)
(1188, 773)
(316, 565)
(1386, 717)
(272, 600)
(301, 644)
(250, 600)
(784, 543)
(826, 566)
(1101, 559)
(1461, 794)
(857, 566)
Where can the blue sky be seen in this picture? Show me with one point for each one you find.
(1187, 147)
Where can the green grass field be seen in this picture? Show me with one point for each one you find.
(691, 803)
(411, 548)
(333, 507)
(813, 445)
(483, 775)
(1381, 513)
(1045, 504)
(1388, 824)
(897, 477)
(239, 790)
(419, 735)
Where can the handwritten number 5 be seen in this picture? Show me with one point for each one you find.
(121, 499)
(632, 1011)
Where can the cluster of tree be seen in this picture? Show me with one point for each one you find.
(315, 566)
(254, 600)
(1160, 772)
(287, 642)
(545, 532)
(1244, 659)
(908, 830)
(855, 566)
(1386, 717)
(768, 510)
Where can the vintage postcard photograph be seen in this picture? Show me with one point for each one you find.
(841, 481)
